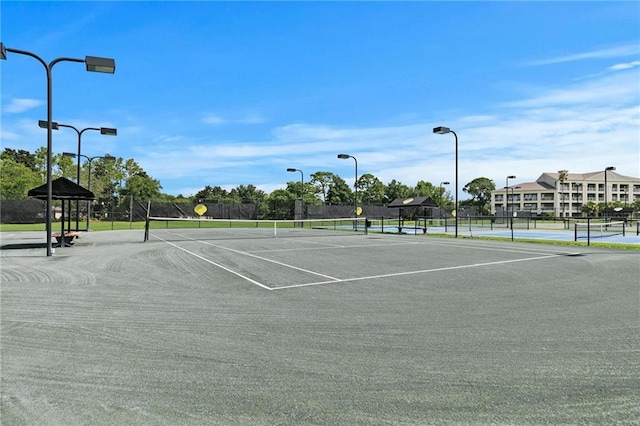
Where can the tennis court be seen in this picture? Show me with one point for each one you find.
(229, 327)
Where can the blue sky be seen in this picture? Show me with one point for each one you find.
(234, 93)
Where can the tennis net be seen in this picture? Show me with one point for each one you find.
(591, 230)
(168, 228)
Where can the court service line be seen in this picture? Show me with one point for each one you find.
(270, 260)
(329, 277)
(216, 264)
(398, 274)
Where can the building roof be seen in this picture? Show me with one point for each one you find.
(547, 181)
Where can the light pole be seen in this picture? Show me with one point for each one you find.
(355, 184)
(441, 194)
(441, 131)
(103, 131)
(94, 64)
(106, 157)
(506, 195)
(301, 190)
(610, 168)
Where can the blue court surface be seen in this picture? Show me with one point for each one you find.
(630, 236)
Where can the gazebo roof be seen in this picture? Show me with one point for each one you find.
(62, 189)
(412, 202)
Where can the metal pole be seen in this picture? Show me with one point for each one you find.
(48, 68)
(89, 201)
(456, 136)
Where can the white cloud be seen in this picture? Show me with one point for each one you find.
(624, 66)
(214, 120)
(18, 105)
(581, 127)
(630, 49)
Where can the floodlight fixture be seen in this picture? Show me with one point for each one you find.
(44, 124)
(108, 131)
(441, 130)
(97, 64)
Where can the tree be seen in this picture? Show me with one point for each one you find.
(395, 190)
(339, 192)
(21, 156)
(280, 204)
(248, 193)
(16, 179)
(212, 193)
(591, 208)
(371, 189)
(562, 178)
(480, 191)
(322, 181)
(425, 189)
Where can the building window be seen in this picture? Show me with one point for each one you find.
(591, 187)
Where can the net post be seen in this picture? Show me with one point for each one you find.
(146, 223)
(575, 232)
(146, 229)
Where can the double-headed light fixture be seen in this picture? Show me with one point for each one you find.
(93, 64)
(108, 131)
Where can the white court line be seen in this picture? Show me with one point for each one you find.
(334, 280)
(268, 260)
(250, 255)
(398, 274)
(334, 246)
(216, 264)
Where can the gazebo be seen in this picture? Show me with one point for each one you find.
(401, 203)
(65, 190)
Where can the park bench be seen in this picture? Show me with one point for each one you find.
(68, 238)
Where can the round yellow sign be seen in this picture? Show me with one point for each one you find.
(200, 209)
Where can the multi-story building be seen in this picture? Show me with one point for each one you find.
(549, 195)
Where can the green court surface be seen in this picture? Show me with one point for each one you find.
(197, 328)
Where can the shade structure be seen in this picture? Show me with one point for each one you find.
(62, 189)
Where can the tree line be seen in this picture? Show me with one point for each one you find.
(113, 180)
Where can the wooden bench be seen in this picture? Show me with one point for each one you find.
(68, 238)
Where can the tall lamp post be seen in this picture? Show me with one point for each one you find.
(301, 190)
(441, 131)
(506, 195)
(441, 196)
(93, 64)
(355, 183)
(103, 131)
(610, 168)
(89, 160)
